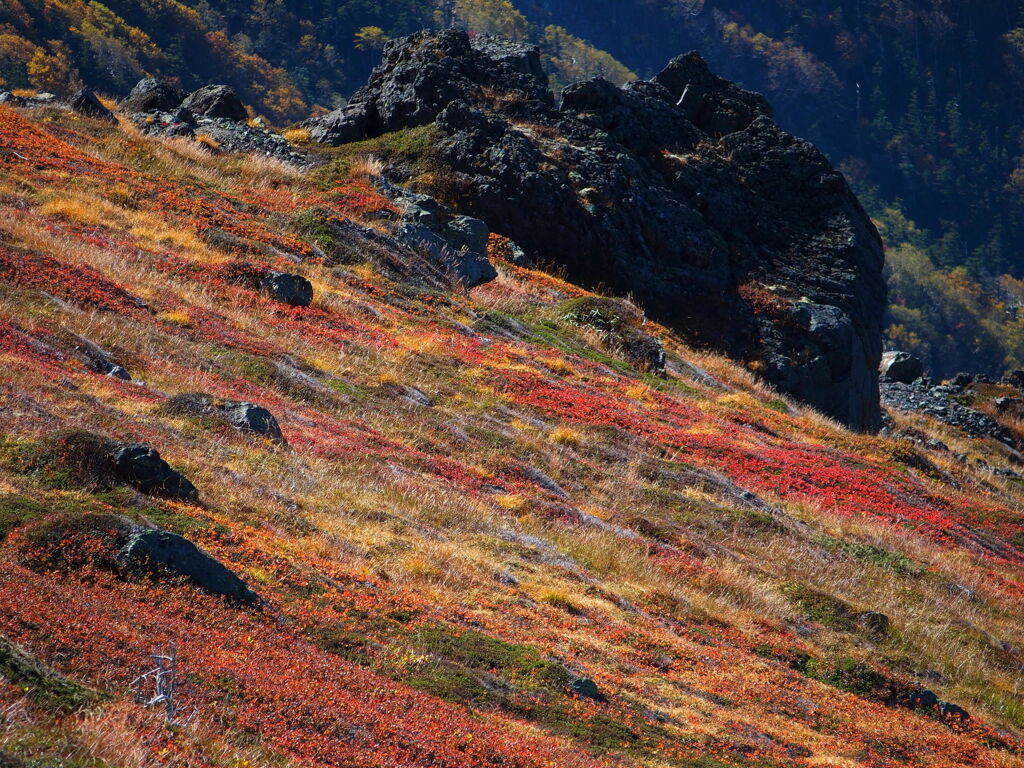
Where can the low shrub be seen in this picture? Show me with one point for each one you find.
(74, 542)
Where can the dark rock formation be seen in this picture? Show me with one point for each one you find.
(586, 688)
(163, 553)
(294, 290)
(141, 467)
(901, 367)
(216, 101)
(84, 102)
(249, 417)
(152, 95)
(874, 622)
(680, 191)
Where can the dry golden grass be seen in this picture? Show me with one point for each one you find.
(367, 167)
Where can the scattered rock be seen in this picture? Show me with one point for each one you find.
(901, 367)
(84, 102)
(874, 622)
(216, 101)
(213, 113)
(924, 699)
(243, 416)
(534, 475)
(93, 356)
(939, 402)
(407, 394)
(506, 578)
(152, 95)
(141, 467)
(164, 553)
(1015, 379)
(586, 688)
(294, 290)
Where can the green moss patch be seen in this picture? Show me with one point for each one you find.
(17, 510)
(820, 607)
(51, 690)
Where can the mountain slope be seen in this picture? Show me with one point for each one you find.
(680, 191)
(488, 539)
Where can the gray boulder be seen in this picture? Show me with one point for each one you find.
(85, 102)
(162, 553)
(152, 95)
(141, 467)
(467, 233)
(290, 289)
(470, 268)
(586, 688)
(243, 416)
(900, 367)
(216, 101)
(249, 417)
(347, 124)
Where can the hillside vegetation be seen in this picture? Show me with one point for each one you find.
(918, 103)
(482, 538)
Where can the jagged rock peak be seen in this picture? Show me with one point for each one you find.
(681, 191)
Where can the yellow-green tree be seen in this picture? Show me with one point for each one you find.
(53, 71)
(370, 39)
(571, 59)
(496, 17)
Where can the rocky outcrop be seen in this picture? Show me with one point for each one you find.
(681, 191)
(162, 553)
(213, 113)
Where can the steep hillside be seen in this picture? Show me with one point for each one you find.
(680, 191)
(486, 532)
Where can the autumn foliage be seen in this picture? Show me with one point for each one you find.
(479, 514)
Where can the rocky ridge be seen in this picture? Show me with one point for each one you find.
(681, 191)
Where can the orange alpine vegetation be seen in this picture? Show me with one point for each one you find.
(485, 538)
